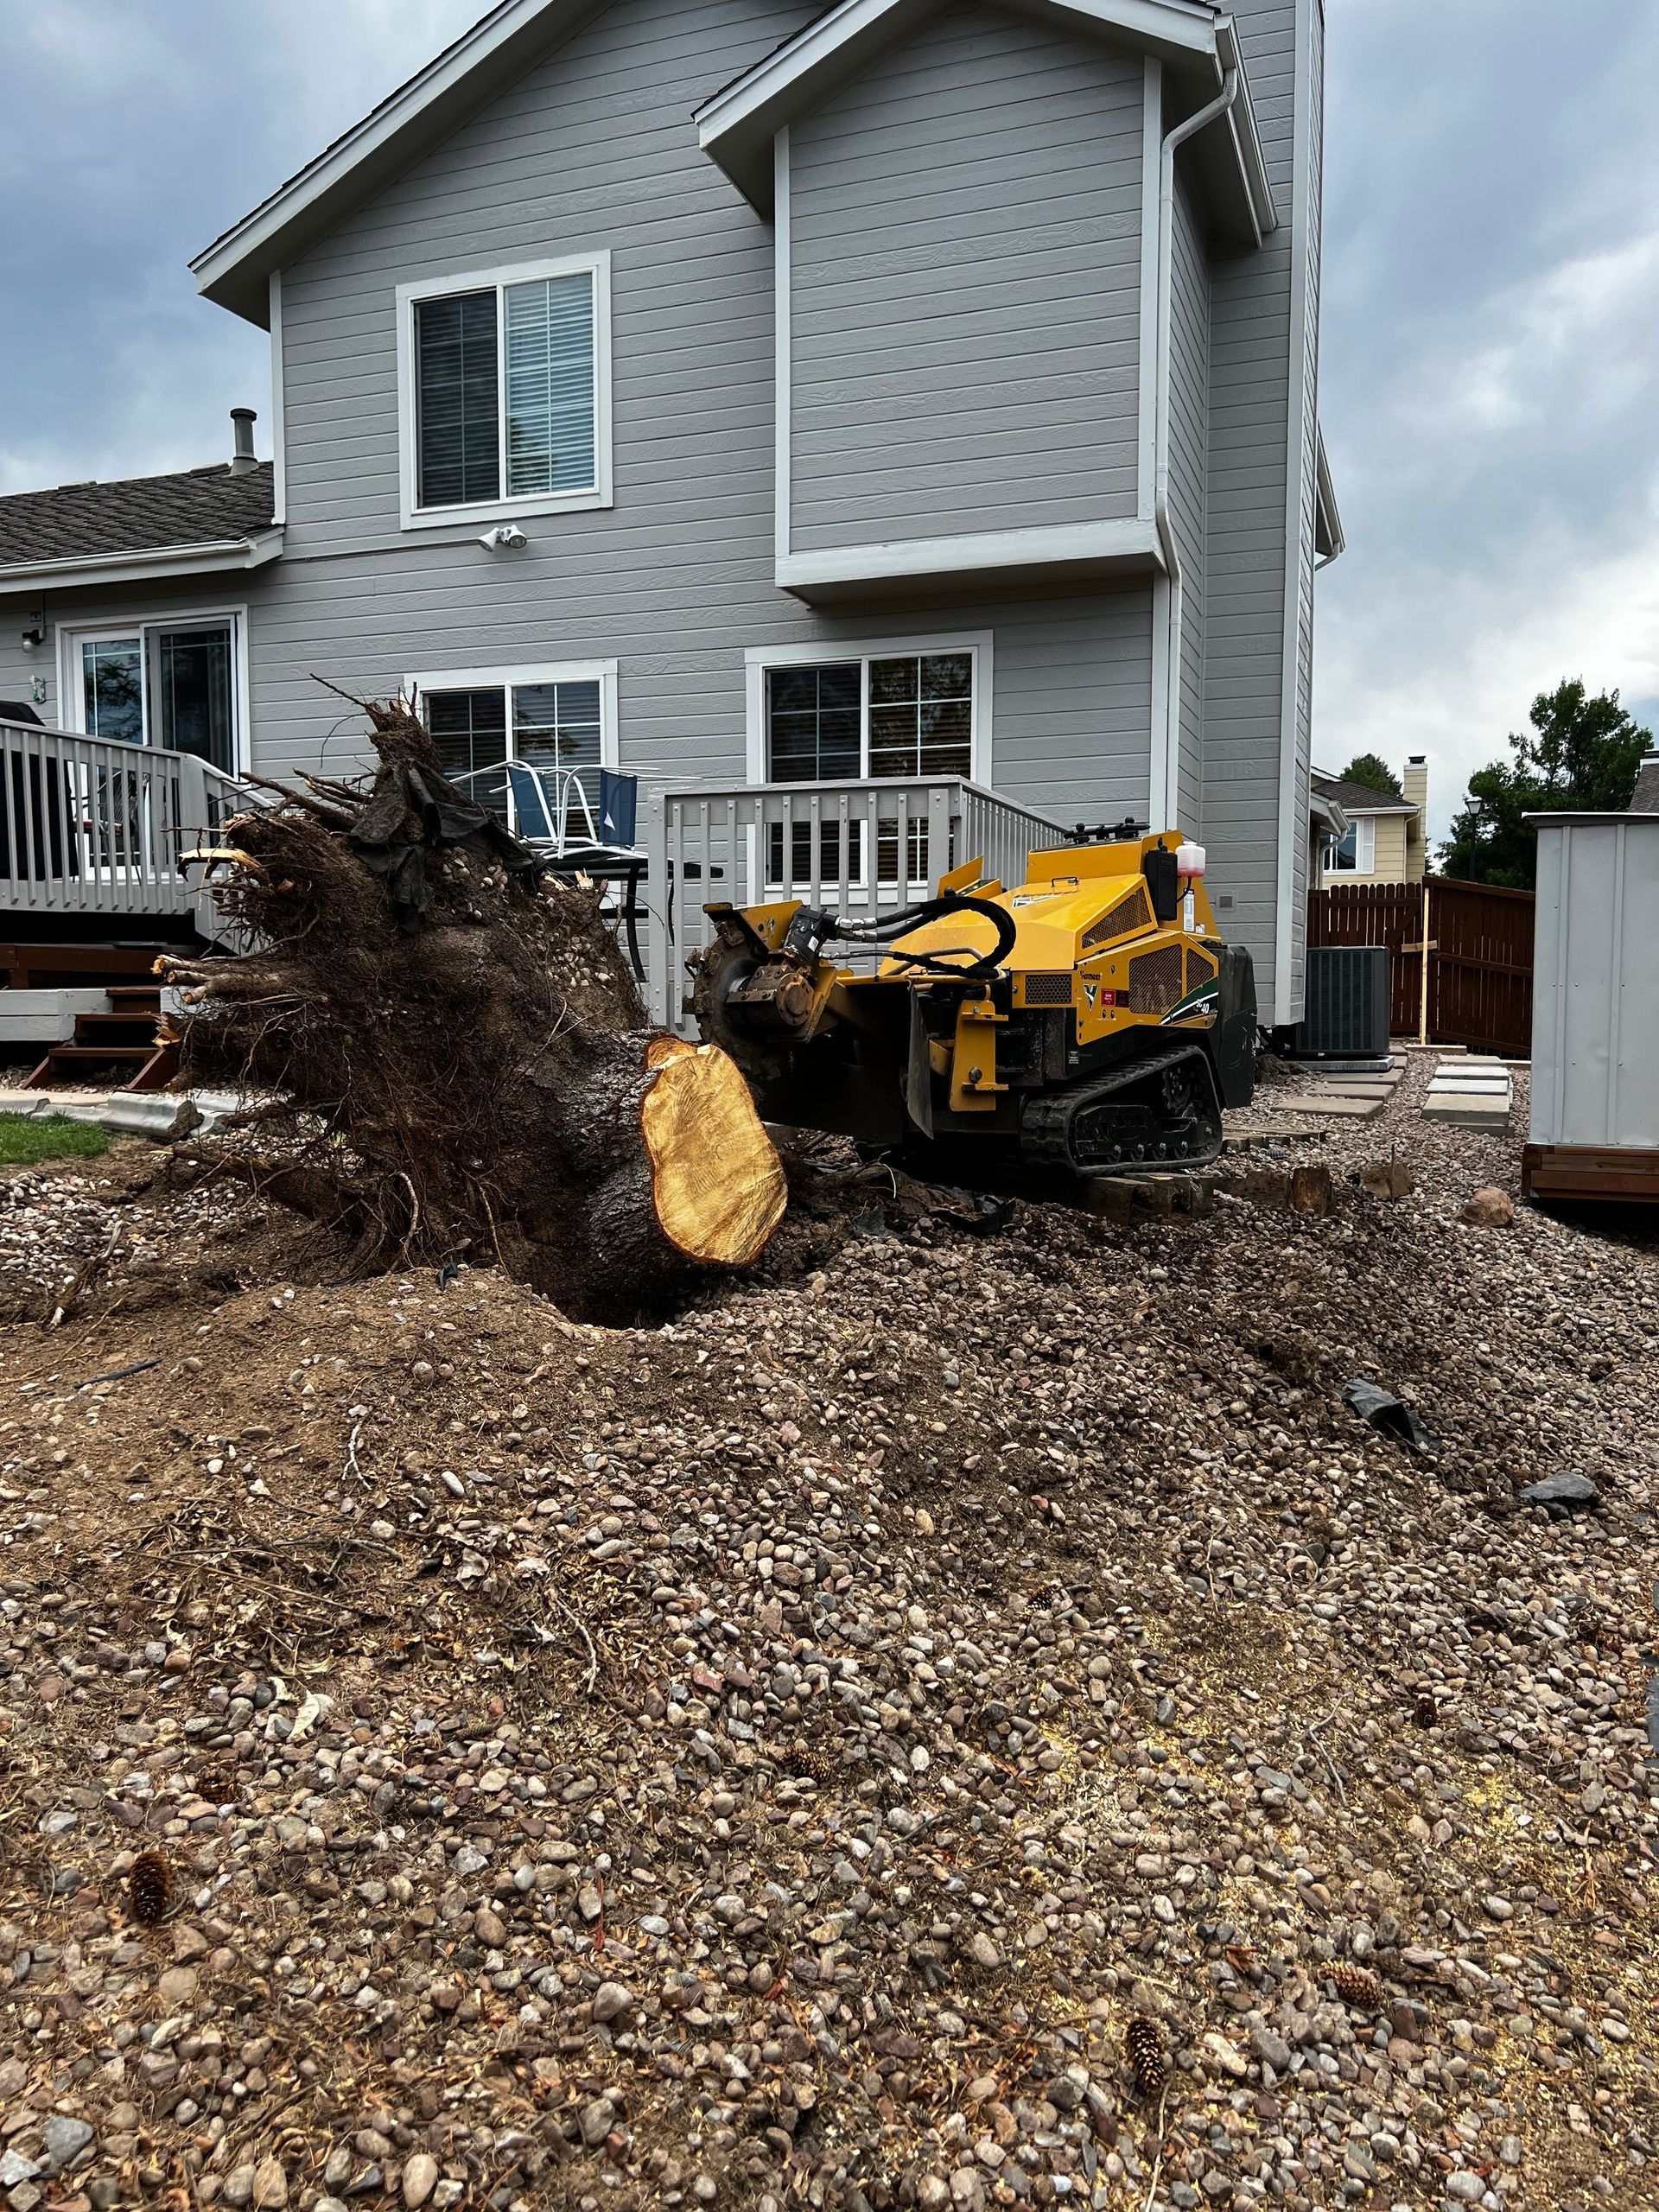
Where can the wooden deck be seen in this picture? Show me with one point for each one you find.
(95, 832)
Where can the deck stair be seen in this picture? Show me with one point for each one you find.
(122, 1039)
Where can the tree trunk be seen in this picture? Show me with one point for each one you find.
(464, 1051)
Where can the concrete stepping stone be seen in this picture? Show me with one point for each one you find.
(1472, 1091)
(1349, 1108)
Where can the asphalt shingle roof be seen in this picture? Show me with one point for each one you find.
(1644, 799)
(202, 506)
(1359, 798)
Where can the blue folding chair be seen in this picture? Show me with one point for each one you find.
(543, 801)
(619, 807)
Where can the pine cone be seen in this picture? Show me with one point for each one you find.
(1147, 2059)
(1356, 1984)
(148, 1887)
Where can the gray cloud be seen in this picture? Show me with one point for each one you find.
(1490, 375)
(134, 134)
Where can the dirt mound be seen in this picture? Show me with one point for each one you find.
(773, 1758)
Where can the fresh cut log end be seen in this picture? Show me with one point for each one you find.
(718, 1186)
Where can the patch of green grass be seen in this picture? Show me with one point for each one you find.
(27, 1139)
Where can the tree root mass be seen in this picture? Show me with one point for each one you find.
(463, 1060)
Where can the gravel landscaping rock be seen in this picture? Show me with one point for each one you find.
(770, 1757)
(1563, 1494)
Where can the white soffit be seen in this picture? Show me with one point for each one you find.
(214, 558)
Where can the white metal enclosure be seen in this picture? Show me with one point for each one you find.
(1595, 1034)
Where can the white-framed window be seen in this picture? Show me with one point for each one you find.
(893, 709)
(1356, 854)
(179, 681)
(559, 719)
(504, 383)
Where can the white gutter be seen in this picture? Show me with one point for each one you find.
(1167, 785)
(145, 561)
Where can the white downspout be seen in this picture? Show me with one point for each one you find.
(1172, 142)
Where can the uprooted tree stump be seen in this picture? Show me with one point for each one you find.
(461, 1061)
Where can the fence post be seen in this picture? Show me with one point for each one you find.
(1422, 1014)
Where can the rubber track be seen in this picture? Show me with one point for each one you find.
(1046, 1133)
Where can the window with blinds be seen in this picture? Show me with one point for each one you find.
(459, 400)
(506, 376)
(557, 723)
(549, 385)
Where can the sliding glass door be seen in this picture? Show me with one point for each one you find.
(165, 684)
(192, 685)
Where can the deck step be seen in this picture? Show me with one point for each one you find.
(157, 1071)
(84, 1052)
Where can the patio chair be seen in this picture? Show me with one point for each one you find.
(545, 802)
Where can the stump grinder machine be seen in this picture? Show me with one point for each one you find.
(1089, 1022)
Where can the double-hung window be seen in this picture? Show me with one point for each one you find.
(887, 713)
(504, 392)
(559, 721)
(176, 683)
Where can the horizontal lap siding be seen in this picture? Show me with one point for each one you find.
(592, 149)
(964, 234)
(1070, 697)
(1307, 435)
(1189, 437)
(1074, 701)
(1253, 446)
(595, 147)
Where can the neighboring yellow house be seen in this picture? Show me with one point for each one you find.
(1384, 838)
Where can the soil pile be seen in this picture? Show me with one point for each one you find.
(778, 1757)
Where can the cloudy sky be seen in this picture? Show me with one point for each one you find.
(1490, 380)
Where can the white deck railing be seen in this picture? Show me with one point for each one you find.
(90, 826)
(860, 849)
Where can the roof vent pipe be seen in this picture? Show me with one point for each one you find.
(243, 459)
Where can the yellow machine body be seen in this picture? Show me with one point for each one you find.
(1108, 959)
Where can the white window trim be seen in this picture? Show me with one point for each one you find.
(827, 651)
(505, 508)
(72, 698)
(571, 671)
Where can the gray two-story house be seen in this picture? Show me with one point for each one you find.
(742, 392)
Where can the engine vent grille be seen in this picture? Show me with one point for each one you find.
(1200, 968)
(1155, 980)
(1129, 914)
(1048, 990)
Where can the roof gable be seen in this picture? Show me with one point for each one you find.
(235, 270)
(736, 128)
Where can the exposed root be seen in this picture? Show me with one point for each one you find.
(460, 1044)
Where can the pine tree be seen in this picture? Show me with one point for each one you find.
(1373, 771)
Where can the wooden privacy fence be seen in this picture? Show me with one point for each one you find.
(1479, 960)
